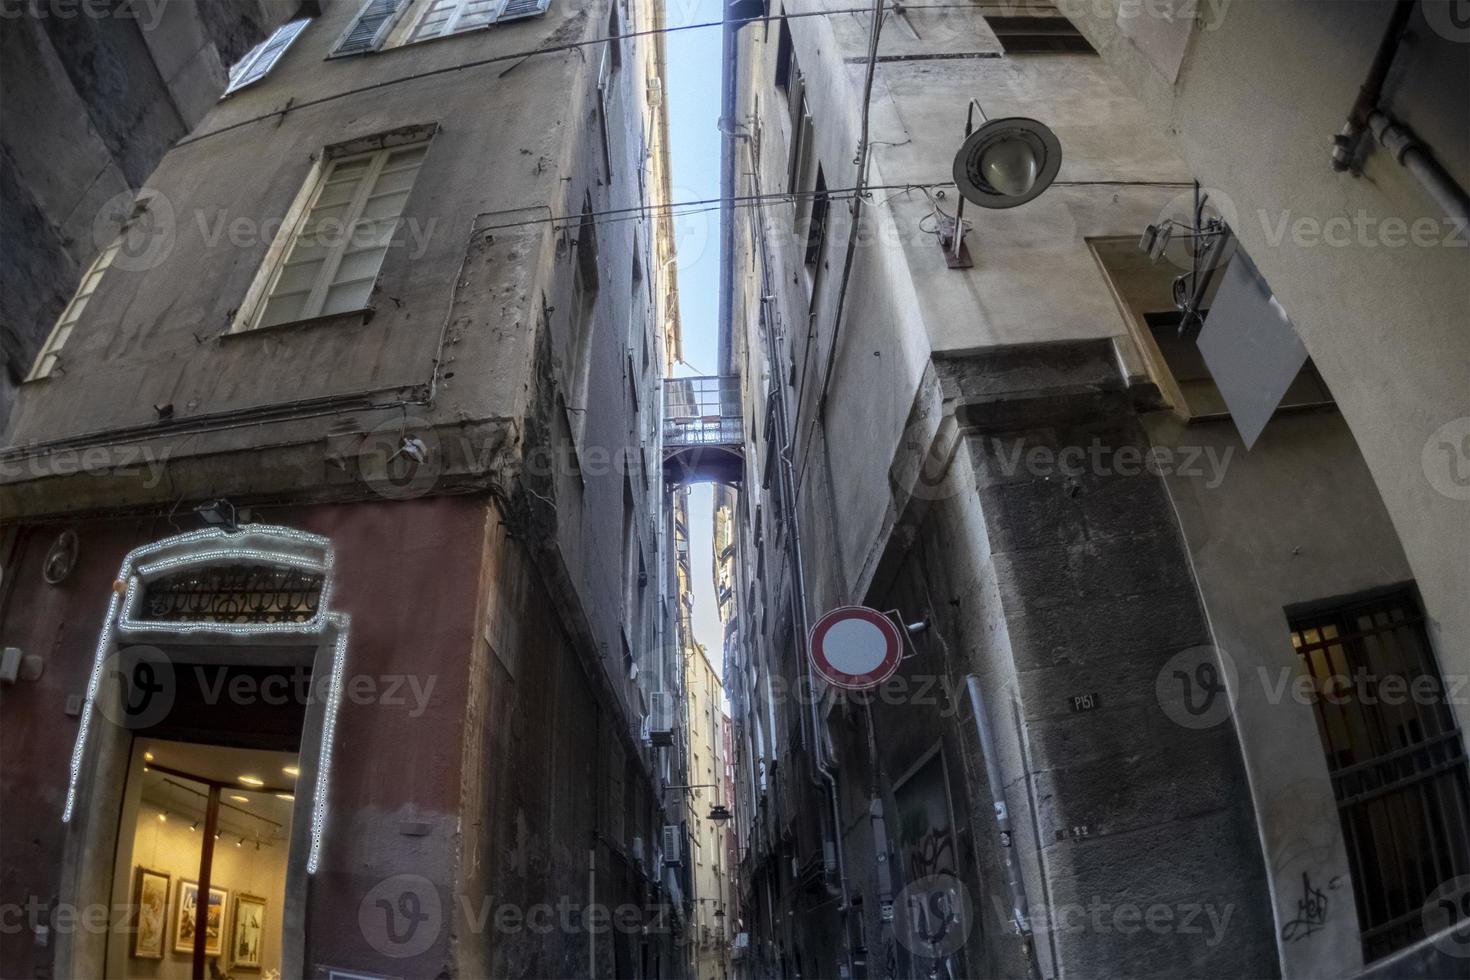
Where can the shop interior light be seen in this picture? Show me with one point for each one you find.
(250, 780)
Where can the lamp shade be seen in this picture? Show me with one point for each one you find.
(1007, 162)
(1010, 166)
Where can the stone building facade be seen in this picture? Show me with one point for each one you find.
(361, 407)
(1139, 727)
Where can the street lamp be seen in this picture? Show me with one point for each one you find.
(1003, 164)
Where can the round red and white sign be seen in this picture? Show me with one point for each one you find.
(855, 647)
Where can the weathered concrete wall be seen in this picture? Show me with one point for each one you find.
(1261, 91)
(535, 764)
(1055, 586)
(94, 96)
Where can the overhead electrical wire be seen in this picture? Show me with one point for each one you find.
(519, 56)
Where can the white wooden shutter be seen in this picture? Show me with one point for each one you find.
(261, 58)
(372, 25)
(516, 9)
(441, 17)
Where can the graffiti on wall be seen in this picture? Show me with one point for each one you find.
(933, 910)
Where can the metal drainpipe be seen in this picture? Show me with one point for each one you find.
(1015, 884)
(1366, 116)
(1414, 157)
(1345, 145)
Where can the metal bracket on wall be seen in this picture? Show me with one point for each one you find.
(955, 258)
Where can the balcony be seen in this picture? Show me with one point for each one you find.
(702, 434)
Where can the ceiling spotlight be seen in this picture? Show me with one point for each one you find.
(250, 780)
(291, 770)
(239, 799)
(163, 816)
(285, 796)
(194, 826)
(147, 756)
(240, 842)
(1007, 162)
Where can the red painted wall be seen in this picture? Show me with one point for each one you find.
(406, 571)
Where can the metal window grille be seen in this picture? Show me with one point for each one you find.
(234, 594)
(1396, 758)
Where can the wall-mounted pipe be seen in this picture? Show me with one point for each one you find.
(1010, 868)
(1345, 144)
(1367, 116)
(1414, 157)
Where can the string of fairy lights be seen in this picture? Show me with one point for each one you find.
(270, 544)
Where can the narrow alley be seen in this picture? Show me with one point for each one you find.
(626, 489)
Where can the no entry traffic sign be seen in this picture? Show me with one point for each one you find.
(855, 647)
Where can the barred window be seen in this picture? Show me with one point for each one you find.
(1396, 758)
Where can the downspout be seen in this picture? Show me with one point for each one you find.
(1367, 117)
(1010, 869)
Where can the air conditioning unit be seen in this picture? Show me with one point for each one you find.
(661, 718)
(672, 844)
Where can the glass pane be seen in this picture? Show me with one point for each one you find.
(298, 278)
(74, 312)
(349, 296)
(348, 169)
(374, 233)
(390, 181)
(337, 192)
(283, 309)
(359, 265)
(406, 156)
(386, 206)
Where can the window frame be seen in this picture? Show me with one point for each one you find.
(258, 296)
(79, 301)
(506, 11)
(1386, 753)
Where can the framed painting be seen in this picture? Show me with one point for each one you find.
(184, 918)
(247, 930)
(151, 901)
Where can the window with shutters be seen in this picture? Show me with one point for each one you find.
(342, 231)
(370, 28)
(51, 351)
(259, 60)
(429, 19)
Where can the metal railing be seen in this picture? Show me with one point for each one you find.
(701, 411)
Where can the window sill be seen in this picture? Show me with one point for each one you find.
(359, 317)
